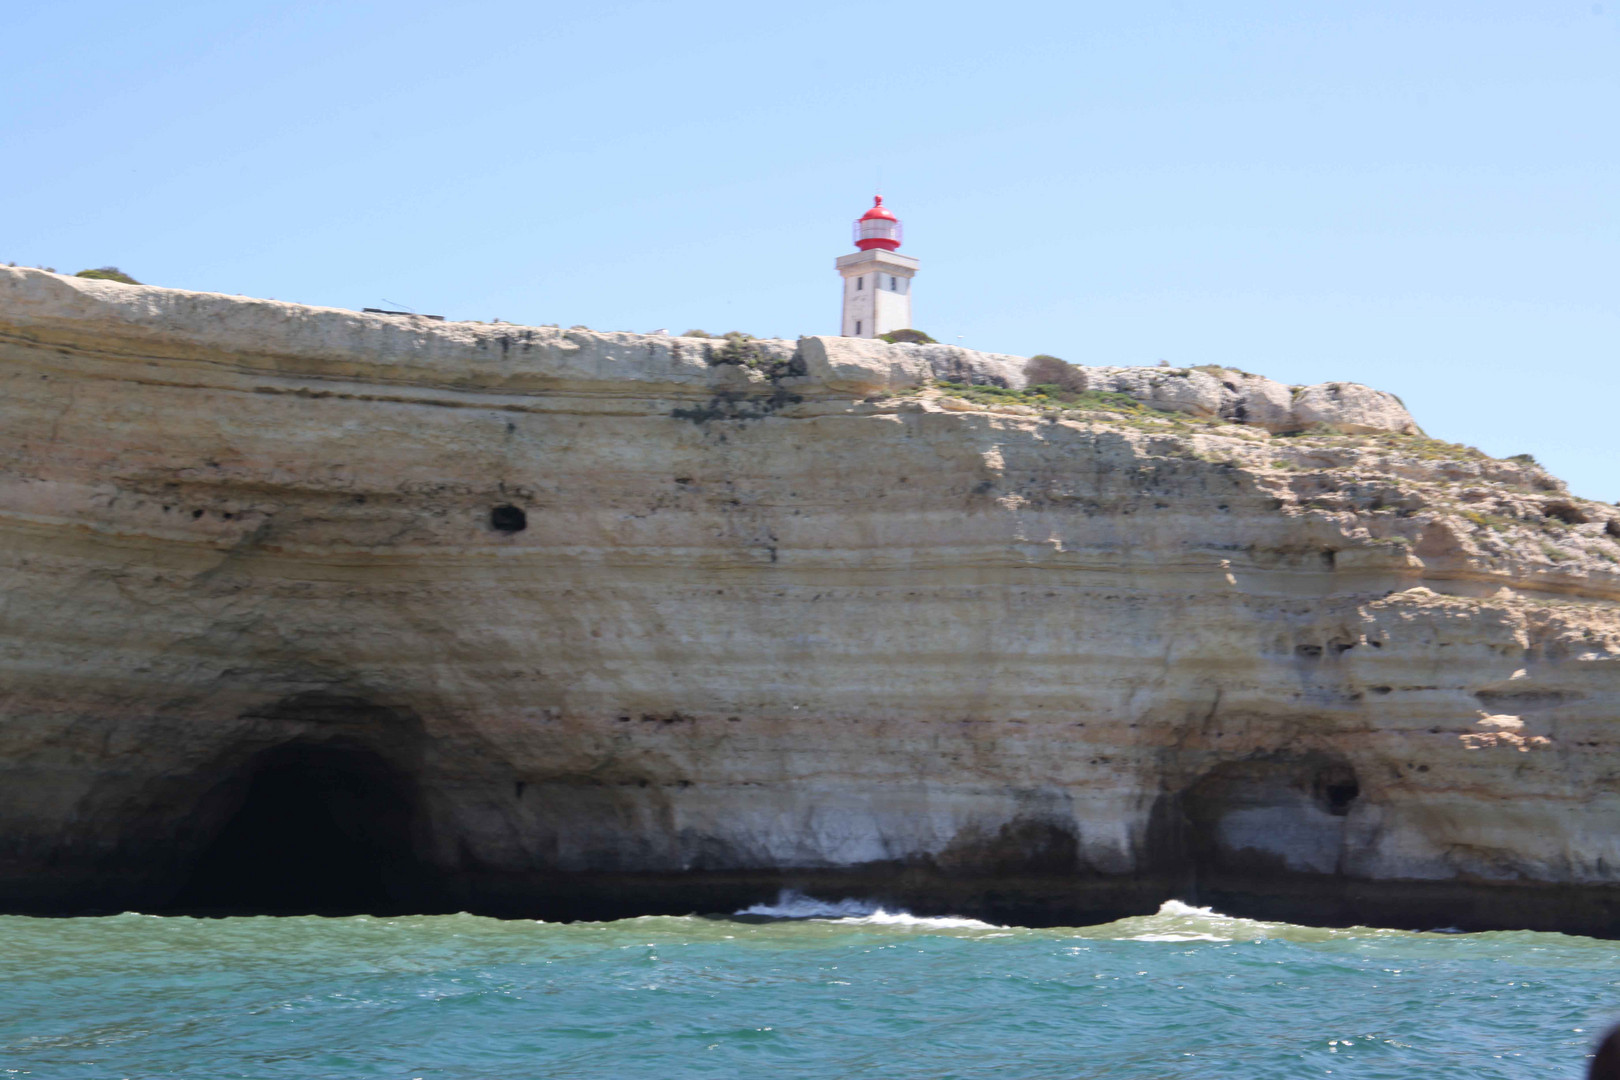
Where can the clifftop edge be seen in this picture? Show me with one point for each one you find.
(245, 333)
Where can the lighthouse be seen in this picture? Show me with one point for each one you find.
(877, 278)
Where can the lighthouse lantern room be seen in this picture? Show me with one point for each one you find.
(877, 278)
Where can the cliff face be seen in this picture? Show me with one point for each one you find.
(307, 608)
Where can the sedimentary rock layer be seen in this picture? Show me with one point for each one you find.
(306, 608)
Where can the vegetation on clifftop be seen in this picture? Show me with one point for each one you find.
(1053, 396)
(907, 337)
(108, 273)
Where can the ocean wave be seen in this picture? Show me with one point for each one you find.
(1178, 921)
(1176, 907)
(792, 904)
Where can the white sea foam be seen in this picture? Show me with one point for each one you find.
(905, 918)
(1176, 907)
(792, 904)
(1178, 921)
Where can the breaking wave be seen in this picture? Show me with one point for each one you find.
(792, 904)
(1176, 921)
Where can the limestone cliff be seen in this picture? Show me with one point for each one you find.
(310, 608)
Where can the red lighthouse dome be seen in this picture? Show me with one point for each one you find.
(877, 228)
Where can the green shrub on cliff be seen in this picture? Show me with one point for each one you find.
(1426, 449)
(744, 350)
(738, 349)
(1494, 522)
(907, 337)
(1554, 552)
(108, 273)
(1053, 396)
(1055, 377)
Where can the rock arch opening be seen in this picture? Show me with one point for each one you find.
(311, 828)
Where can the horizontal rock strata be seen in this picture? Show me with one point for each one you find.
(310, 609)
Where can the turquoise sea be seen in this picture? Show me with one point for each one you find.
(854, 993)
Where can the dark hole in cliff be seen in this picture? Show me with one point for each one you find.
(1568, 513)
(508, 519)
(319, 830)
(1335, 787)
(1338, 797)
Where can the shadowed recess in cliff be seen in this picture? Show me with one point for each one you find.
(316, 828)
(1270, 814)
(1255, 832)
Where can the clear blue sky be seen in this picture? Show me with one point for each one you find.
(1419, 196)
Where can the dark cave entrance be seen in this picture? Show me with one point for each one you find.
(1264, 837)
(317, 829)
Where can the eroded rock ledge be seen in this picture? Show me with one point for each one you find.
(310, 609)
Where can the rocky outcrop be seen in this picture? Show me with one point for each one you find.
(1214, 392)
(311, 609)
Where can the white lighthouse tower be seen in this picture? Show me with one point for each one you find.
(877, 278)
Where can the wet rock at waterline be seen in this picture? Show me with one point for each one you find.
(314, 610)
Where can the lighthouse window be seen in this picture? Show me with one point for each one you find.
(857, 328)
(894, 285)
(859, 282)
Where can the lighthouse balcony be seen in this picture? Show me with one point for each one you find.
(876, 259)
